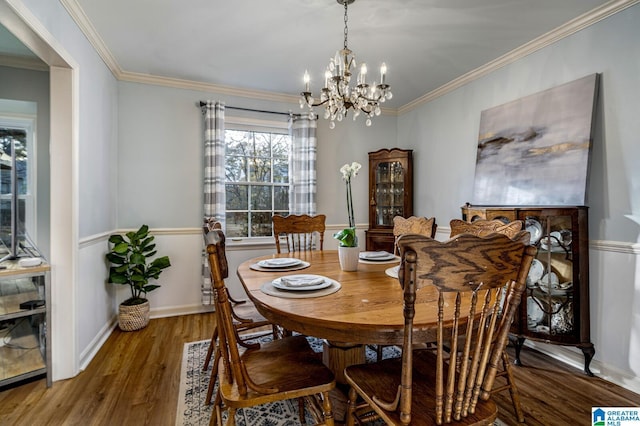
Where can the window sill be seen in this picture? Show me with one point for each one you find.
(250, 243)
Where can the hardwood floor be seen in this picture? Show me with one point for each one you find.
(134, 380)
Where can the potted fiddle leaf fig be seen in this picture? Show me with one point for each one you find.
(130, 264)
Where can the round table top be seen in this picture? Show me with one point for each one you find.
(368, 308)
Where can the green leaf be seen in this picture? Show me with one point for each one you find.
(347, 237)
(114, 258)
(121, 248)
(116, 239)
(116, 278)
(150, 287)
(161, 262)
(142, 232)
(138, 259)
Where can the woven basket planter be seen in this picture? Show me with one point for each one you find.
(133, 317)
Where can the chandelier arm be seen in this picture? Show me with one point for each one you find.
(371, 100)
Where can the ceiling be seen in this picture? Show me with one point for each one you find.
(266, 46)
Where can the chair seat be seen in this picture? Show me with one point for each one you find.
(288, 365)
(381, 379)
(247, 317)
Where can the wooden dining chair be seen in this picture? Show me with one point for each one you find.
(249, 320)
(211, 223)
(484, 227)
(278, 370)
(479, 282)
(301, 232)
(413, 225)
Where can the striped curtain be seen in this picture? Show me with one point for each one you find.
(302, 164)
(214, 178)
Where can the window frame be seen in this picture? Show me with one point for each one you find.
(256, 125)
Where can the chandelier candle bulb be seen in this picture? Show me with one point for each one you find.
(307, 78)
(383, 72)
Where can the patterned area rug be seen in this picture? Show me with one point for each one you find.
(192, 410)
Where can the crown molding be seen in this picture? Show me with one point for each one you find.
(534, 45)
(571, 27)
(206, 87)
(87, 28)
(23, 62)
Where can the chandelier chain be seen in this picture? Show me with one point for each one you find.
(346, 28)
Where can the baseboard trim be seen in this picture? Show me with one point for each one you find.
(96, 344)
(576, 359)
(174, 311)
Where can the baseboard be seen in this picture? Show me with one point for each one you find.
(576, 359)
(173, 311)
(96, 344)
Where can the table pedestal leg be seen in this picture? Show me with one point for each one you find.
(337, 356)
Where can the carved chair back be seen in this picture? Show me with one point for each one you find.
(301, 232)
(413, 225)
(484, 227)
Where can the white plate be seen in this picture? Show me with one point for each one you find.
(550, 284)
(280, 262)
(534, 228)
(535, 272)
(392, 272)
(534, 311)
(372, 256)
(277, 283)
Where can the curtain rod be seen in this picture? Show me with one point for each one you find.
(262, 111)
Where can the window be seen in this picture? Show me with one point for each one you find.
(16, 133)
(257, 178)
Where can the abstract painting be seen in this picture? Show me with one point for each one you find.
(535, 150)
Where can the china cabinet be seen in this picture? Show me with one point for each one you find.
(390, 194)
(555, 305)
(25, 349)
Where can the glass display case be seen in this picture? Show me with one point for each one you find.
(390, 194)
(555, 304)
(24, 322)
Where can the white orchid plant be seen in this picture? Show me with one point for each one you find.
(347, 236)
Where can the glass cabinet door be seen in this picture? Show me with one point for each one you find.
(389, 192)
(550, 301)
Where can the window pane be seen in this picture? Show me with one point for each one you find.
(260, 170)
(281, 145)
(260, 198)
(261, 224)
(280, 170)
(237, 197)
(237, 142)
(237, 225)
(281, 198)
(262, 144)
(19, 138)
(235, 169)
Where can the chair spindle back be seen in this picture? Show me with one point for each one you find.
(480, 281)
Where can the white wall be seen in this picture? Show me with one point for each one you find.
(444, 134)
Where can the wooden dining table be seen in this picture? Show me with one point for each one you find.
(367, 309)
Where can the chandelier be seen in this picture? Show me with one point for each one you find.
(337, 95)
